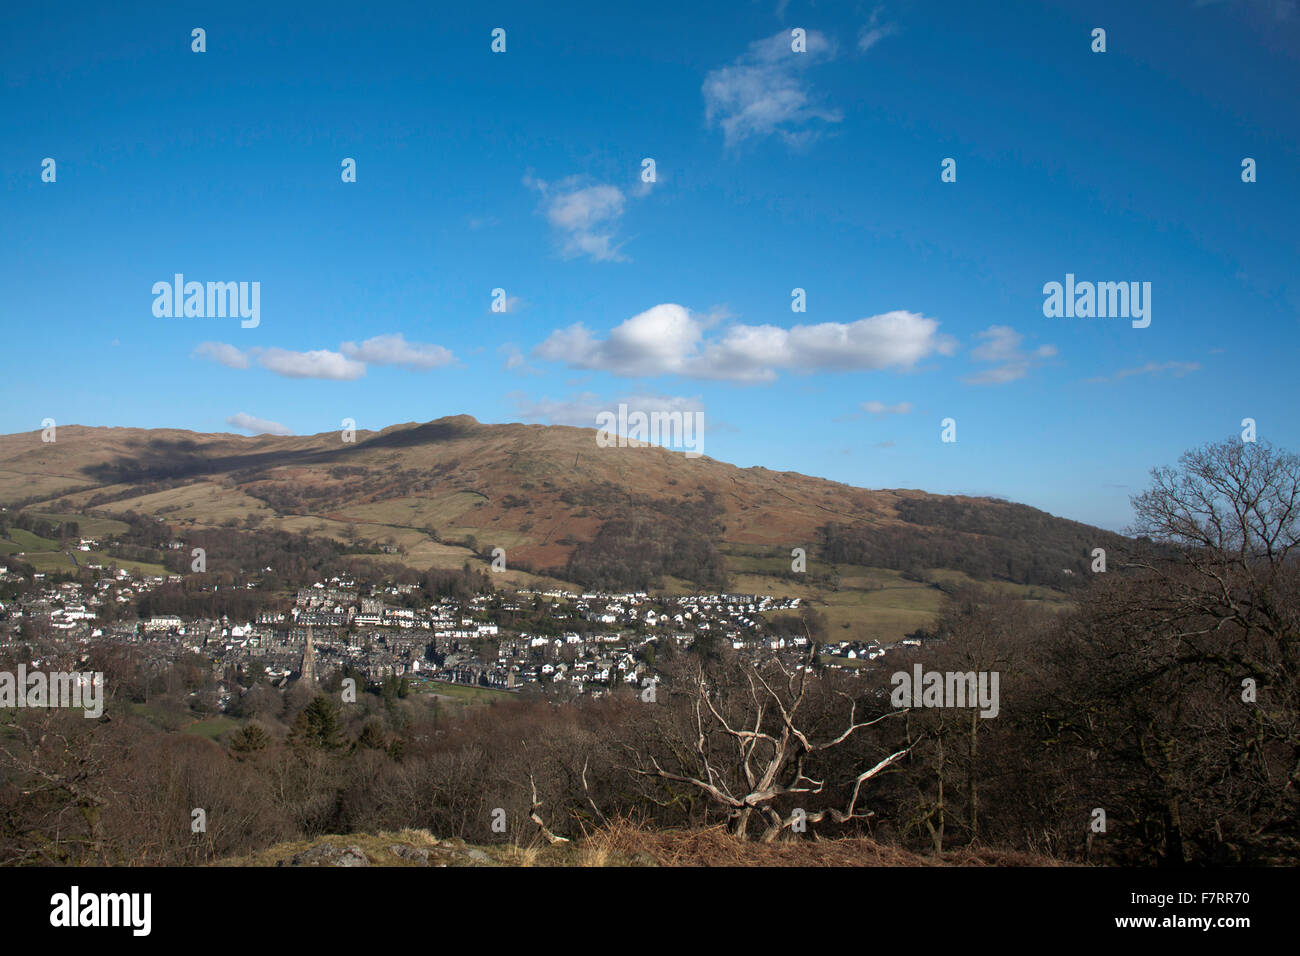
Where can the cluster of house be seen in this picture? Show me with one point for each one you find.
(339, 604)
(70, 605)
(593, 641)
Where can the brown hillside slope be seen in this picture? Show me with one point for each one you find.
(534, 463)
(435, 489)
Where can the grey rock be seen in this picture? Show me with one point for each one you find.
(416, 854)
(326, 855)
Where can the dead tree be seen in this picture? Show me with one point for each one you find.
(753, 751)
(536, 816)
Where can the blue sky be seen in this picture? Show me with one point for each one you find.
(775, 170)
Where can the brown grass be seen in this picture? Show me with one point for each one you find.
(625, 841)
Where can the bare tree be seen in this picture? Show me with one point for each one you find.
(534, 814)
(1231, 515)
(752, 743)
(57, 766)
(1183, 675)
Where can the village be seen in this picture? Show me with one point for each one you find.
(587, 643)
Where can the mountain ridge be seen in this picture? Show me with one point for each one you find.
(561, 508)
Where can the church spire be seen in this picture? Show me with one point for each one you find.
(308, 670)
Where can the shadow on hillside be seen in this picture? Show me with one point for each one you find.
(169, 459)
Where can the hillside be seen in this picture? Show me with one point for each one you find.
(564, 510)
(618, 845)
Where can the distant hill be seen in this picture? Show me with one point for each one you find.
(563, 509)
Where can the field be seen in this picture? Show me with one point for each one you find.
(58, 561)
(89, 526)
(44, 554)
(462, 693)
(212, 728)
(202, 503)
(437, 512)
(20, 541)
(17, 485)
(867, 603)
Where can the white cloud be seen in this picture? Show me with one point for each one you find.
(393, 349)
(641, 188)
(258, 426)
(1001, 348)
(585, 216)
(578, 410)
(227, 355)
(581, 410)
(1176, 369)
(318, 363)
(880, 408)
(668, 339)
(893, 340)
(514, 357)
(658, 341)
(763, 92)
(875, 31)
(513, 360)
(585, 209)
(347, 364)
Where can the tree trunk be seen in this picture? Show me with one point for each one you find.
(972, 796)
(936, 833)
(1173, 834)
(742, 822)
